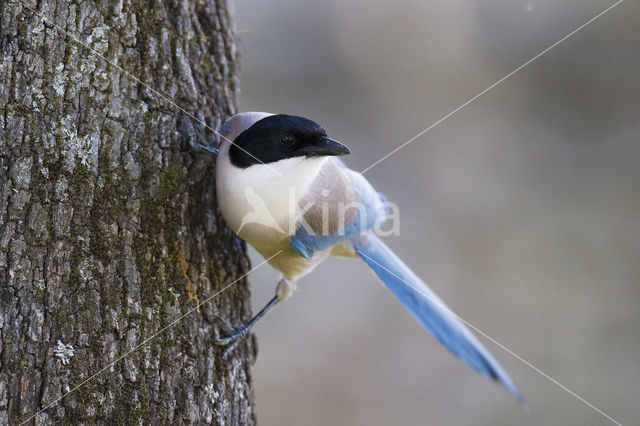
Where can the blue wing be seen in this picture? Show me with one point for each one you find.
(429, 310)
(371, 208)
(419, 299)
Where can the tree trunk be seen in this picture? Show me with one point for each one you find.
(109, 230)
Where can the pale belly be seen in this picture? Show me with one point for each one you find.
(294, 266)
(282, 257)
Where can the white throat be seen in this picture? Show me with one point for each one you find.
(261, 202)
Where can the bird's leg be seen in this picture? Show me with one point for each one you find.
(240, 332)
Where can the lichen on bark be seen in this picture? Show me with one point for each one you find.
(106, 210)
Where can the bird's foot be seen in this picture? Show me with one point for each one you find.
(232, 336)
(232, 339)
(235, 335)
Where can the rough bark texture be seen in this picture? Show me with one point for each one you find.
(108, 225)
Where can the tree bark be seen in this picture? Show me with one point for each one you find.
(109, 229)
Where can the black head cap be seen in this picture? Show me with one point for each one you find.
(278, 137)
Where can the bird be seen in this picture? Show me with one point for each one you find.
(282, 187)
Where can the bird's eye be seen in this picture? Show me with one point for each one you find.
(287, 139)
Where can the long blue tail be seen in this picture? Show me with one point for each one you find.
(429, 310)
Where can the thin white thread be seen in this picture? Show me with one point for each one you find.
(161, 95)
(500, 345)
(492, 86)
(365, 170)
(144, 342)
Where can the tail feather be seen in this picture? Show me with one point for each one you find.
(429, 309)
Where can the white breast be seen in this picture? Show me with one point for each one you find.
(260, 202)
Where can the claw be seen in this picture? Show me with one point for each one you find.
(232, 340)
(236, 335)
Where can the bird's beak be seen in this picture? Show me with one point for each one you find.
(325, 146)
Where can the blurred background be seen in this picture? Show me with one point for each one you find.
(522, 211)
